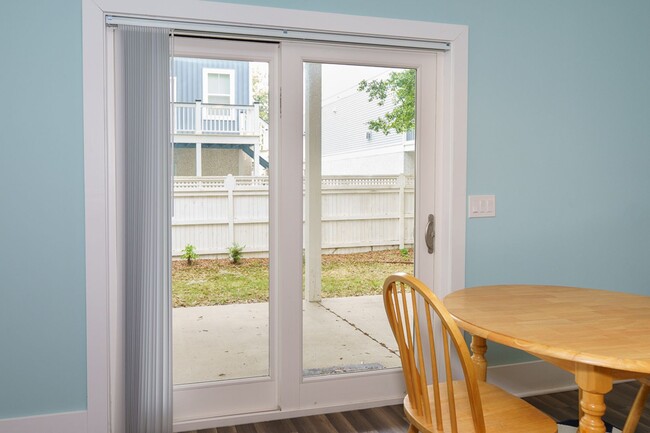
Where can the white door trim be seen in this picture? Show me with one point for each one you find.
(296, 392)
(103, 346)
(253, 394)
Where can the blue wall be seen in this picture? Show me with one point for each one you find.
(42, 262)
(558, 130)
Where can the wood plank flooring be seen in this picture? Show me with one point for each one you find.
(563, 405)
(390, 419)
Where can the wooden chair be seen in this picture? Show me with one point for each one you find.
(637, 407)
(449, 406)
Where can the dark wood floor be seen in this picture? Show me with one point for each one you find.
(563, 405)
(390, 419)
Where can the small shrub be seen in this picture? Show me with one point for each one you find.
(189, 254)
(235, 252)
(404, 252)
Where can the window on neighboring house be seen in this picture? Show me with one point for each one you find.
(410, 135)
(218, 86)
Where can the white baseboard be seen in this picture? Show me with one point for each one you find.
(69, 422)
(531, 378)
(523, 379)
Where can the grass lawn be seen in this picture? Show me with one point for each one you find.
(217, 282)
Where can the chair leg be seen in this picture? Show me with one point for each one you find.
(412, 429)
(637, 409)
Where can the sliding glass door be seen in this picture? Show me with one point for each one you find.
(364, 149)
(224, 113)
(303, 176)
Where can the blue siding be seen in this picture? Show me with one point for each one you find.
(189, 78)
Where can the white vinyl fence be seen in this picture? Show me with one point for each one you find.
(359, 213)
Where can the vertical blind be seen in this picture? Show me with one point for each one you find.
(146, 63)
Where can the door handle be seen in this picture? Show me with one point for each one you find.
(430, 233)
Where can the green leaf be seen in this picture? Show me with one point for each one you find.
(400, 87)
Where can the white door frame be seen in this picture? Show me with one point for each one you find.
(252, 394)
(328, 393)
(104, 341)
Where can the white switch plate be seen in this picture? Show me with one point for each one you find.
(481, 206)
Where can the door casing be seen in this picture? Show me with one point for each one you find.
(103, 301)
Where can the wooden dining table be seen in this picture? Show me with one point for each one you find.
(600, 336)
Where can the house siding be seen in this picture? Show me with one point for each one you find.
(345, 124)
(349, 147)
(189, 78)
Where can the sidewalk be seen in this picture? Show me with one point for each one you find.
(231, 341)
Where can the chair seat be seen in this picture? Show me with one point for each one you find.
(503, 412)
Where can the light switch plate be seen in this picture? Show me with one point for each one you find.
(481, 206)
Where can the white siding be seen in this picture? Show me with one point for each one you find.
(348, 146)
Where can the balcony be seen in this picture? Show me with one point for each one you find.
(211, 119)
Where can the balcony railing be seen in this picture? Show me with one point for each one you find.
(200, 118)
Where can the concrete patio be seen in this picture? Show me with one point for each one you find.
(231, 341)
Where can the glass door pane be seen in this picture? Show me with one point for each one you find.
(225, 307)
(220, 224)
(359, 206)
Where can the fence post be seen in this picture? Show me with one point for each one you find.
(401, 183)
(230, 184)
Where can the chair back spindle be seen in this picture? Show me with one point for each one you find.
(411, 309)
(434, 370)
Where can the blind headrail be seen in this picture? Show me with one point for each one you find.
(279, 34)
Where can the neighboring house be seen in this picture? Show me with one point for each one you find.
(348, 146)
(217, 129)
